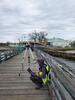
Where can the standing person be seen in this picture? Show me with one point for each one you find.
(41, 77)
(27, 46)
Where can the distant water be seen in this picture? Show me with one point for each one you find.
(67, 62)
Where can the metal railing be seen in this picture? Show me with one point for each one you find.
(63, 79)
(5, 55)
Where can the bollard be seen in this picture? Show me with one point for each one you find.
(19, 74)
(28, 60)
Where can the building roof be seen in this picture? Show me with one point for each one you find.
(56, 40)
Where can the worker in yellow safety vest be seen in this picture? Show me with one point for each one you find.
(42, 77)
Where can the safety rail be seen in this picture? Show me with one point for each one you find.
(58, 52)
(63, 79)
(5, 55)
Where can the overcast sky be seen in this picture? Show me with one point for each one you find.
(56, 17)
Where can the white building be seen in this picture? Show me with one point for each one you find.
(59, 42)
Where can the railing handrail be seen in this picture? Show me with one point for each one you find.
(63, 96)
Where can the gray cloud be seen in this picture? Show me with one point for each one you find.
(25, 16)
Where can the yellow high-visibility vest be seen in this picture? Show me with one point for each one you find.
(47, 78)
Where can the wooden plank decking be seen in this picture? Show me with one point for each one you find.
(14, 80)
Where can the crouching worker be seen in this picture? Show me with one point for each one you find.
(41, 77)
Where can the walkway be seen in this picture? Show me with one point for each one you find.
(14, 79)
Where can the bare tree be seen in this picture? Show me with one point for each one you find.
(41, 36)
(72, 44)
(33, 36)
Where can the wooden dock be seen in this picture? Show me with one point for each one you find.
(15, 83)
